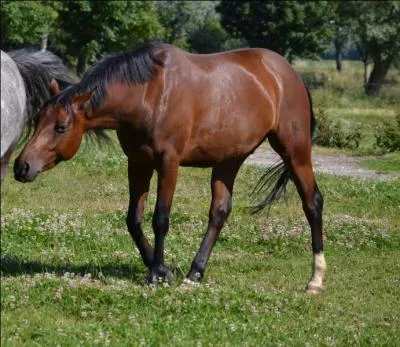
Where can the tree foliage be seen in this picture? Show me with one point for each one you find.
(375, 28)
(341, 40)
(82, 31)
(24, 22)
(109, 26)
(184, 18)
(212, 37)
(291, 28)
(85, 30)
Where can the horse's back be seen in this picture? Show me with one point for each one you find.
(265, 68)
(13, 104)
(226, 103)
(238, 79)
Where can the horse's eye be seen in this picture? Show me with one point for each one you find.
(61, 128)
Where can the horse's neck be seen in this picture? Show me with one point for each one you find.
(103, 119)
(123, 105)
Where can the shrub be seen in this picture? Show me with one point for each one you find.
(314, 80)
(331, 133)
(387, 135)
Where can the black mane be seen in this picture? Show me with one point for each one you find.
(135, 67)
(37, 69)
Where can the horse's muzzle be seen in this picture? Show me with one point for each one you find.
(22, 172)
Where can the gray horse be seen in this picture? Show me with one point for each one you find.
(26, 79)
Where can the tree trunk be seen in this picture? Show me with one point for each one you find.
(377, 78)
(43, 42)
(338, 55)
(365, 72)
(364, 58)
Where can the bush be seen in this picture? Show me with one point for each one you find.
(388, 135)
(314, 80)
(331, 133)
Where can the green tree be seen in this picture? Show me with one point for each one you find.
(24, 22)
(185, 18)
(211, 37)
(341, 29)
(291, 28)
(375, 28)
(89, 28)
(196, 25)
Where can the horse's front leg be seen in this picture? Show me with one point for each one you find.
(139, 182)
(167, 176)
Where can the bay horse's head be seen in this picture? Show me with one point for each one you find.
(57, 136)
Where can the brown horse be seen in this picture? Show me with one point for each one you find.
(172, 108)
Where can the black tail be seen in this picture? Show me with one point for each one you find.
(279, 172)
(313, 120)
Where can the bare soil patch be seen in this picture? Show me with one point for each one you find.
(340, 165)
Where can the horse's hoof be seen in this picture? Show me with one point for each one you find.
(161, 274)
(169, 277)
(313, 289)
(194, 276)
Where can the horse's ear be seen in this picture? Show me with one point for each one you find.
(80, 101)
(54, 88)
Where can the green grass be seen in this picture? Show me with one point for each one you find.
(386, 163)
(345, 89)
(70, 274)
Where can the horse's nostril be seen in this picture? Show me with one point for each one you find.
(24, 168)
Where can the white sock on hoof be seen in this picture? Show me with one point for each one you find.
(319, 271)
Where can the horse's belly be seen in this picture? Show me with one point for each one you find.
(225, 136)
(210, 150)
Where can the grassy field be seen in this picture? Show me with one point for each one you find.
(386, 163)
(70, 274)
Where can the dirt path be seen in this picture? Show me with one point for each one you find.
(336, 165)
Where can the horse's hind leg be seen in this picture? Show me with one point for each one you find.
(297, 157)
(139, 182)
(222, 180)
